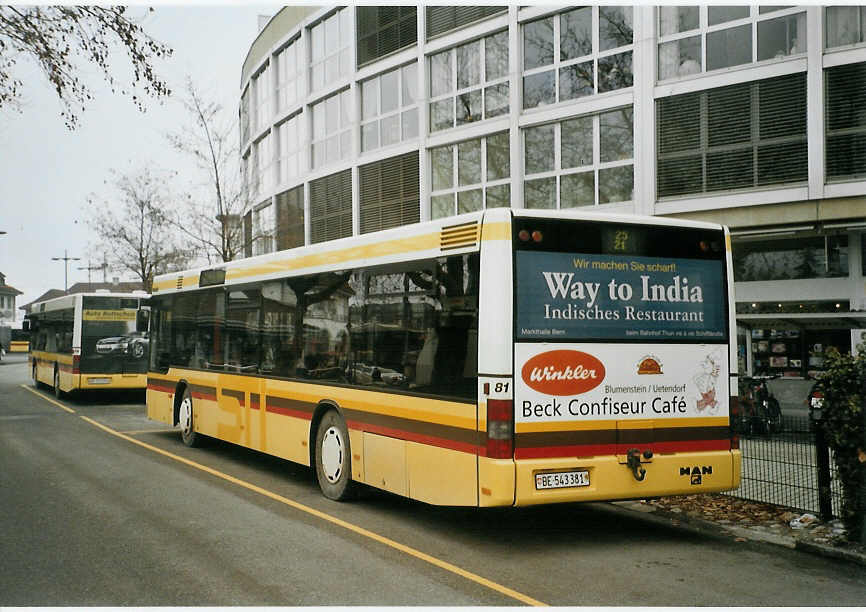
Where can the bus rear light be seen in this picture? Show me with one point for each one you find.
(734, 411)
(76, 364)
(500, 429)
(523, 235)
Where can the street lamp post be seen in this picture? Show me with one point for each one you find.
(65, 259)
(89, 269)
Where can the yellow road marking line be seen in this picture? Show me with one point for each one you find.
(136, 432)
(307, 509)
(48, 399)
(331, 519)
(525, 599)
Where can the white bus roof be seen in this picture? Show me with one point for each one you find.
(68, 301)
(418, 241)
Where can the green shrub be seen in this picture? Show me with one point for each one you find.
(843, 422)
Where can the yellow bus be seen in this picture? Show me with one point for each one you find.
(504, 357)
(89, 341)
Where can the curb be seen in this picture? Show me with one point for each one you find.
(829, 551)
(753, 535)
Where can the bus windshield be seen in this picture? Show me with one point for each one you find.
(109, 340)
(591, 281)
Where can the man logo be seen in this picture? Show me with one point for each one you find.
(696, 473)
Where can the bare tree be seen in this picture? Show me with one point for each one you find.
(135, 229)
(213, 221)
(58, 37)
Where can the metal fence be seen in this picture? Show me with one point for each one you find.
(785, 467)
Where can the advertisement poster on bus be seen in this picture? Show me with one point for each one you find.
(599, 381)
(567, 296)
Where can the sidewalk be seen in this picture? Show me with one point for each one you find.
(753, 521)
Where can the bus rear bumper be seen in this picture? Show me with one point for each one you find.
(611, 479)
(112, 381)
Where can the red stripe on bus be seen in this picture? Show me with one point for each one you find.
(590, 450)
(204, 396)
(414, 437)
(299, 414)
(160, 388)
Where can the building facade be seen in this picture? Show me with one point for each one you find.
(8, 295)
(356, 119)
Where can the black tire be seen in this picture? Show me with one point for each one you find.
(186, 422)
(36, 383)
(57, 392)
(137, 350)
(334, 458)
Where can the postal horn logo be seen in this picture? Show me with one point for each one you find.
(563, 372)
(649, 365)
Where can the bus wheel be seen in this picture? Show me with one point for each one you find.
(333, 457)
(184, 419)
(35, 378)
(57, 392)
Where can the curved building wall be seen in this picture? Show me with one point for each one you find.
(360, 118)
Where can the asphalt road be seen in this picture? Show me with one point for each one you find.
(99, 506)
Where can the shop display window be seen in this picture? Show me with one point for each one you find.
(794, 353)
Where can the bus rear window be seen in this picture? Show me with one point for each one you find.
(593, 281)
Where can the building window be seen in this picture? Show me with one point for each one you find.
(245, 116)
(844, 25)
(264, 156)
(579, 53)
(251, 176)
(470, 176)
(584, 161)
(385, 29)
(736, 137)
(288, 76)
(726, 33)
(248, 234)
(469, 83)
(289, 135)
(389, 112)
(261, 99)
(331, 41)
(290, 218)
(263, 229)
(791, 258)
(331, 207)
(442, 19)
(332, 129)
(845, 122)
(389, 193)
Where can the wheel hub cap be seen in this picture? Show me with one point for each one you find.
(332, 454)
(185, 416)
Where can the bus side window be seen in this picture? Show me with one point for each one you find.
(242, 330)
(278, 327)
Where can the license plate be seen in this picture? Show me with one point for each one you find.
(99, 381)
(560, 480)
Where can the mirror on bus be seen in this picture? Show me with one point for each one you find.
(25, 325)
(142, 319)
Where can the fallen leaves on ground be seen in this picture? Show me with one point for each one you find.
(715, 507)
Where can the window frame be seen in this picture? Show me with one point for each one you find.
(399, 111)
(755, 18)
(346, 124)
(289, 79)
(596, 167)
(454, 92)
(341, 51)
(289, 148)
(595, 55)
(455, 189)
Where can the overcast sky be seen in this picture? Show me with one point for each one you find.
(48, 172)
